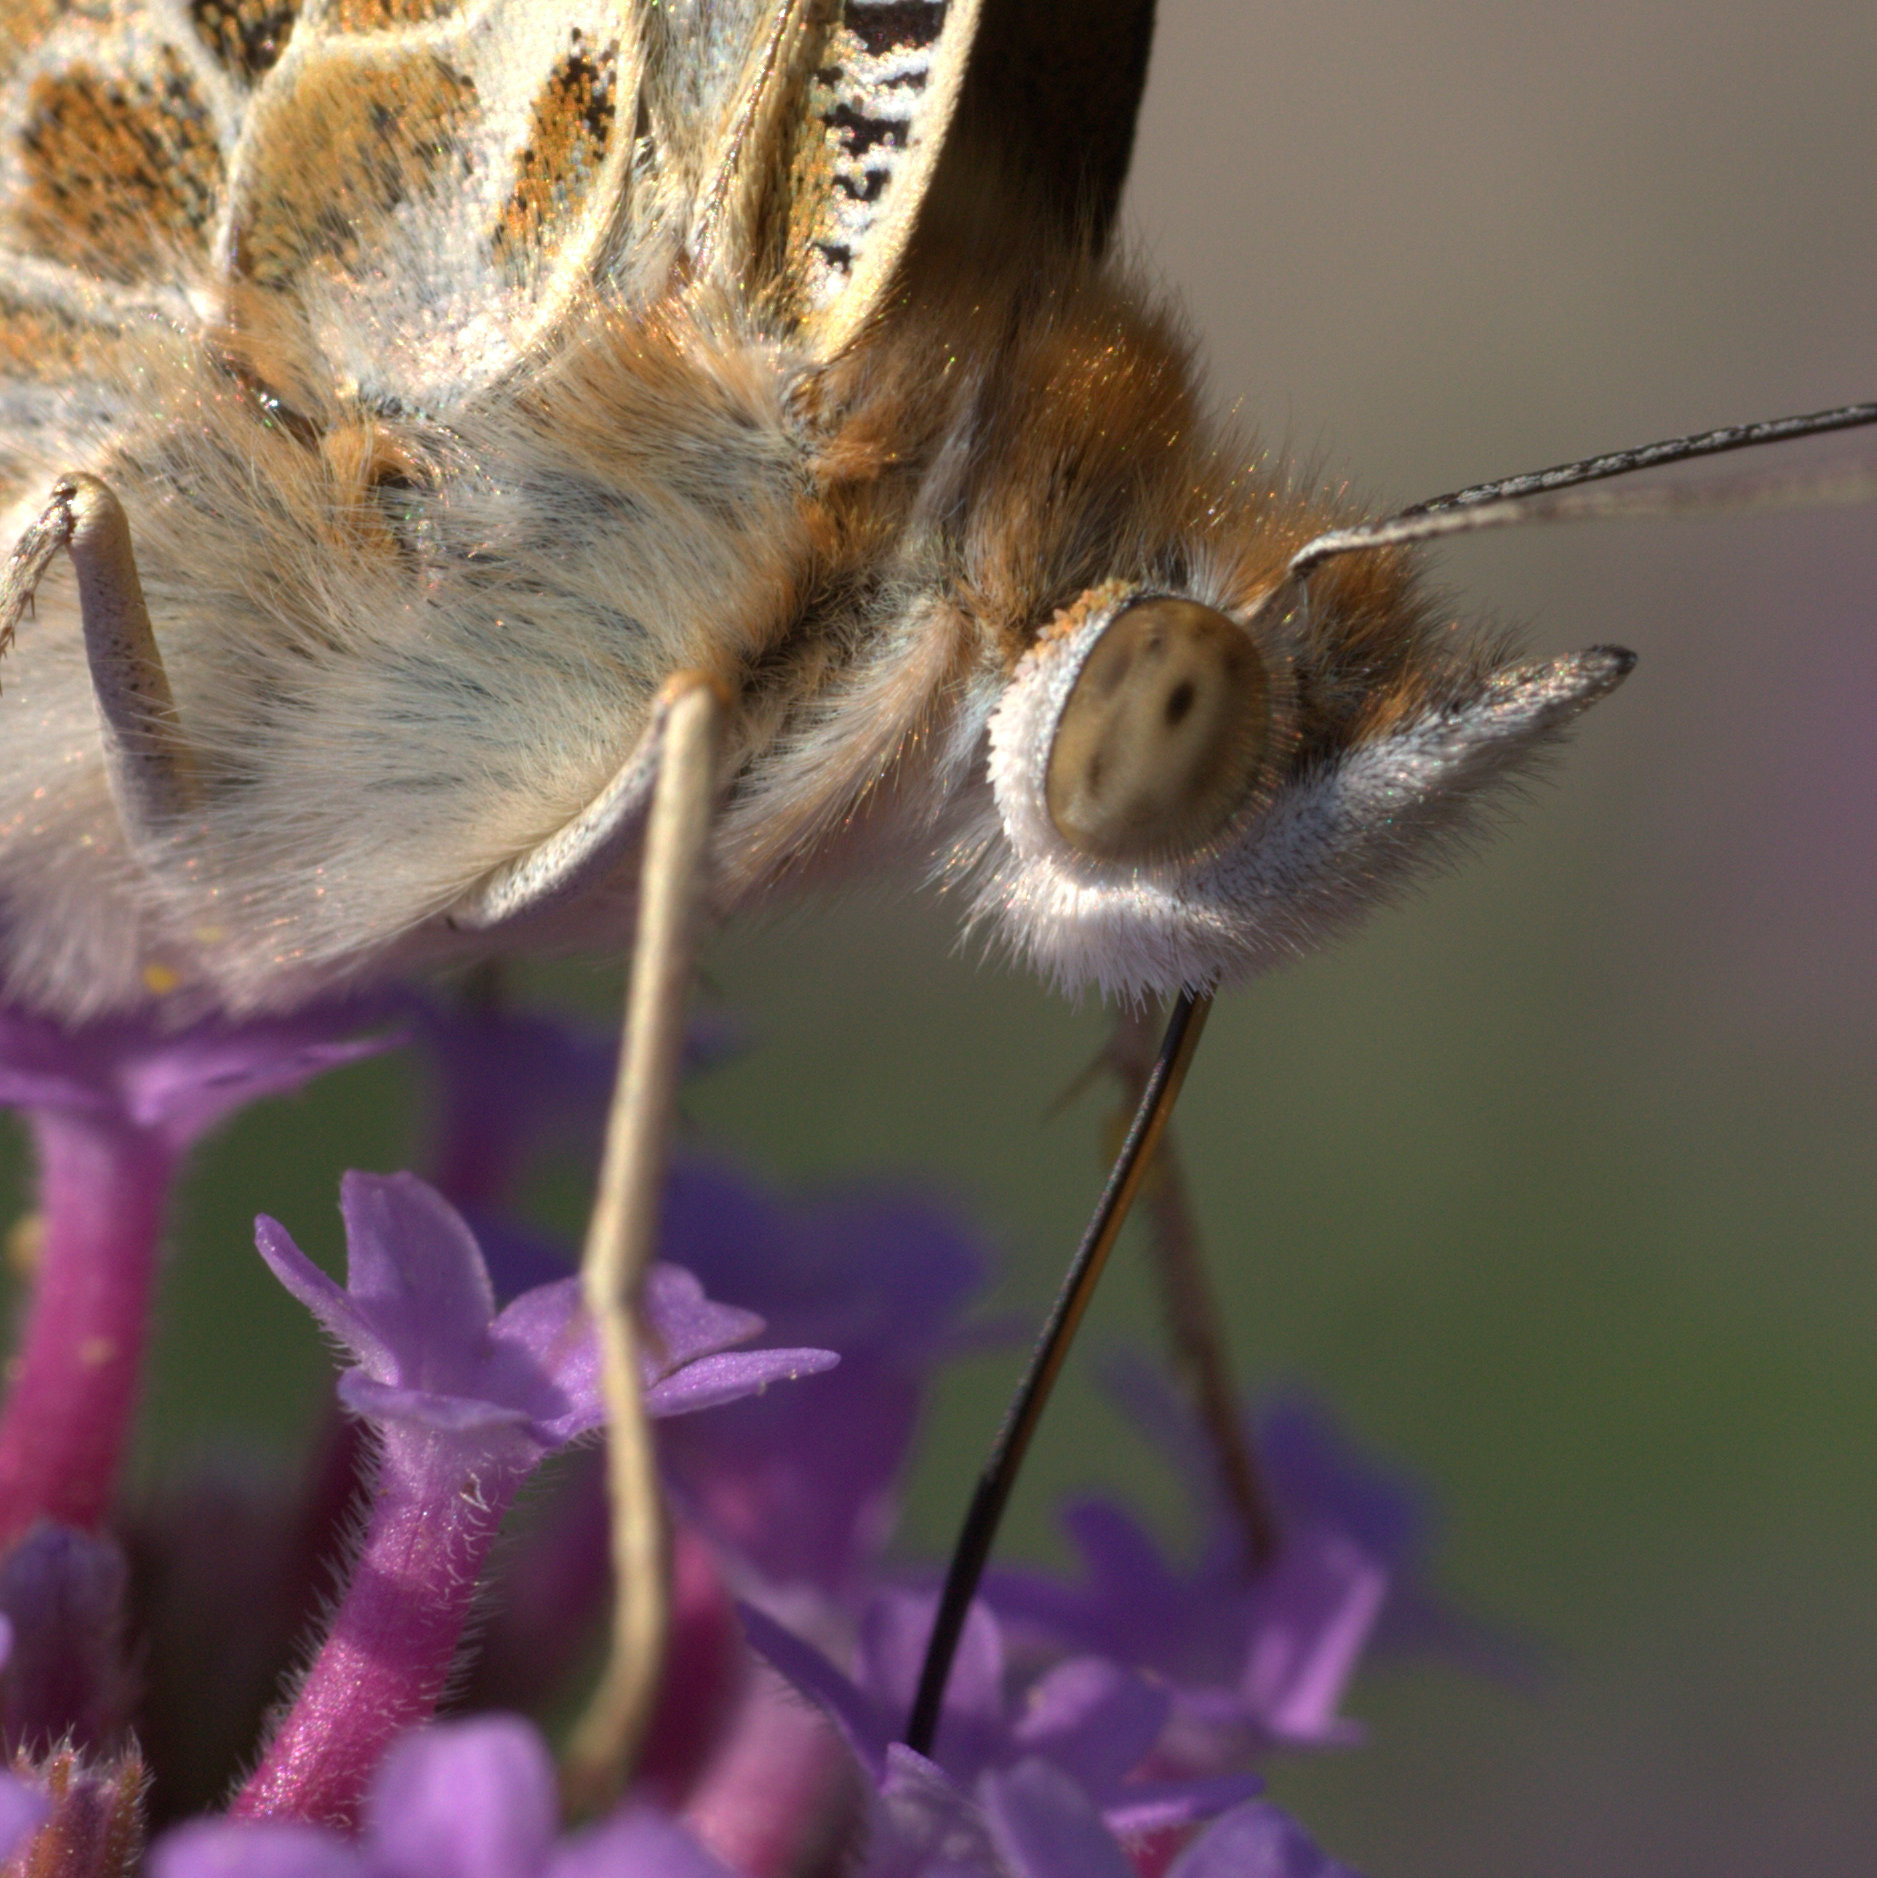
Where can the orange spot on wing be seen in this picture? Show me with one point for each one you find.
(346, 147)
(122, 173)
(571, 131)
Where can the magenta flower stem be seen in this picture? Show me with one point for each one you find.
(102, 1188)
(387, 1655)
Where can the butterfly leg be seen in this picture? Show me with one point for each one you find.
(147, 758)
(1200, 1356)
(622, 1235)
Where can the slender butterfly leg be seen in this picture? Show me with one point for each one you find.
(623, 1232)
(1193, 1318)
(147, 757)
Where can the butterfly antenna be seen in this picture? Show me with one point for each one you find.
(992, 1494)
(1596, 469)
(623, 1233)
(1543, 494)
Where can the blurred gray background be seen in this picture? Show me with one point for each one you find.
(1558, 1181)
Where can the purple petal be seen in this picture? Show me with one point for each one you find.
(850, 1709)
(687, 1323)
(541, 1354)
(337, 1315)
(714, 1380)
(175, 1085)
(183, 1086)
(413, 1268)
(471, 1799)
(1126, 1567)
(923, 1826)
(1255, 1841)
(1094, 1719)
(878, 1271)
(241, 1848)
(1316, 1606)
(1045, 1827)
(1127, 1605)
(893, 1638)
(22, 1812)
(1319, 1473)
(637, 1843)
(441, 1414)
(43, 1065)
(1148, 1806)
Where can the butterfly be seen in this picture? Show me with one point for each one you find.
(461, 374)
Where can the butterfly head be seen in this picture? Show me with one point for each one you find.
(1201, 761)
(1190, 792)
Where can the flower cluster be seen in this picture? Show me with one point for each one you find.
(178, 1697)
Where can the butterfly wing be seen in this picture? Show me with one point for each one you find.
(868, 139)
(418, 189)
(387, 199)
(115, 130)
(398, 198)
(1044, 128)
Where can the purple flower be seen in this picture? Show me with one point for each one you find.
(173, 1086)
(800, 1484)
(418, 1312)
(510, 1082)
(514, 1083)
(68, 1815)
(800, 1479)
(1255, 1841)
(113, 1106)
(468, 1799)
(66, 1678)
(1094, 1721)
(1032, 1820)
(465, 1400)
(1249, 1662)
(1028, 1821)
(22, 1809)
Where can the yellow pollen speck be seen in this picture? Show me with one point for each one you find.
(95, 1352)
(25, 1239)
(160, 979)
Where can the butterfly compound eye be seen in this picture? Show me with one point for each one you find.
(1162, 735)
